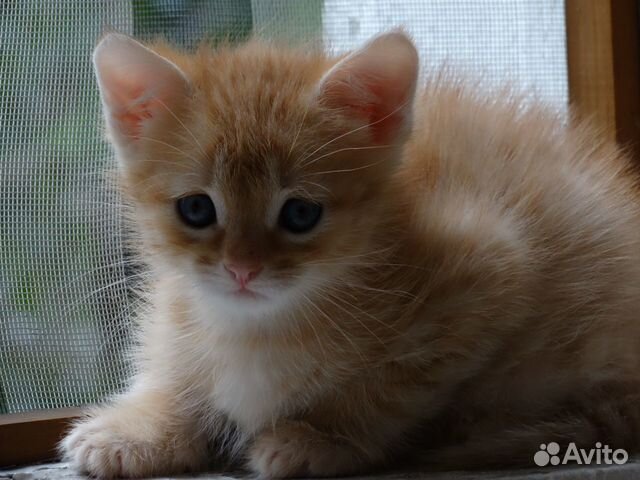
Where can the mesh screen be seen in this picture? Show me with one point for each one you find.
(65, 276)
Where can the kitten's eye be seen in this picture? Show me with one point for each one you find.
(299, 216)
(197, 211)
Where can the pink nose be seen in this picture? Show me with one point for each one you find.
(243, 274)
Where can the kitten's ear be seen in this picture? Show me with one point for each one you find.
(140, 90)
(376, 85)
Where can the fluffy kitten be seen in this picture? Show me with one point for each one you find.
(343, 274)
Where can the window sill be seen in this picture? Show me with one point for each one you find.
(61, 471)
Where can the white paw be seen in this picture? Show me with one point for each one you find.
(98, 448)
(116, 443)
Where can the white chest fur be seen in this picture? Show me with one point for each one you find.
(255, 385)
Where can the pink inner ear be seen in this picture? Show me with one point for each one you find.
(382, 107)
(375, 85)
(387, 114)
(132, 111)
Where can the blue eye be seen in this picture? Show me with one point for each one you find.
(196, 211)
(299, 216)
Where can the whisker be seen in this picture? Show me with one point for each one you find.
(76, 278)
(344, 170)
(371, 147)
(354, 305)
(366, 254)
(371, 264)
(315, 184)
(353, 131)
(183, 126)
(84, 298)
(173, 147)
(329, 297)
(399, 293)
(295, 139)
(149, 180)
(315, 333)
(337, 327)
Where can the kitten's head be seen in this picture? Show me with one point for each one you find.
(257, 173)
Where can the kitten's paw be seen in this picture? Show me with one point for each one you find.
(277, 456)
(298, 450)
(105, 448)
(96, 448)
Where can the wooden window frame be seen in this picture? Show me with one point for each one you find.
(33, 437)
(603, 60)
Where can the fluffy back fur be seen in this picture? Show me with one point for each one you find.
(471, 288)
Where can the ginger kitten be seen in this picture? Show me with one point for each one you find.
(343, 274)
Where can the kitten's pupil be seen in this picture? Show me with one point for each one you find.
(197, 211)
(299, 216)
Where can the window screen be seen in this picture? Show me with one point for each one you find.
(66, 277)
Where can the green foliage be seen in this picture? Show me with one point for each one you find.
(24, 294)
(187, 22)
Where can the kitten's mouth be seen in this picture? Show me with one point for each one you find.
(245, 293)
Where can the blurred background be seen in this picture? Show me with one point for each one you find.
(66, 278)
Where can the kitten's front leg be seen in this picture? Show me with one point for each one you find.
(140, 435)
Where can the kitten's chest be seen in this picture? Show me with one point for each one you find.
(253, 386)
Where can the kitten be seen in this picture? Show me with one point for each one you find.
(343, 274)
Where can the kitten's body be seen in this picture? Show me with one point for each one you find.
(474, 289)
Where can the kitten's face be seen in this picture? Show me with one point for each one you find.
(255, 229)
(258, 177)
